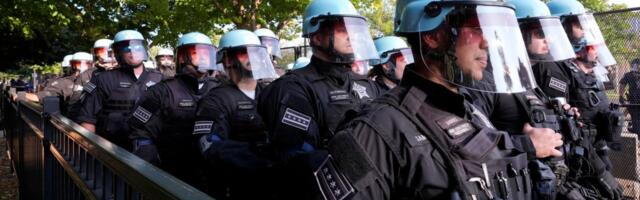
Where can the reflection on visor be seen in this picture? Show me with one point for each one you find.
(272, 44)
(542, 41)
(200, 56)
(250, 62)
(361, 67)
(101, 52)
(350, 39)
(135, 48)
(408, 55)
(488, 53)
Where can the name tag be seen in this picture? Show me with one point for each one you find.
(339, 95)
(186, 103)
(125, 84)
(245, 105)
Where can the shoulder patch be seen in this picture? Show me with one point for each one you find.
(142, 114)
(558, 85)
(90, 87)
(296, 119)
(202, 127)
(333, 184)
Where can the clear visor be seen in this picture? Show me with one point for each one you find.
(103, 55)
(407, 55)
(273, 46)
(81, 65)
(543, 42)
(131, 53)
(201, 56)
(350, 40)
(361, 67)
(583, 30)
(488, 53)
(249, 62)
(601, 73)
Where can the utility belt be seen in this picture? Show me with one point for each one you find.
(498, 182)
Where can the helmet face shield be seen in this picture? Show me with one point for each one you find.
(248, 62)
(81, 65)
(361, 67)
(348, 39)
(488, 53)
(273, 46)
(200, 56)
(103, 55)
(130, 52)
(583, 31)
(542, 41)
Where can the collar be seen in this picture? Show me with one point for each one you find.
(438, 95)
(129, 72)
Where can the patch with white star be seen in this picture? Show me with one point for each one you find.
(360, 90)
(296, 119)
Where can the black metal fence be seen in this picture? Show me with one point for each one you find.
(55, 158)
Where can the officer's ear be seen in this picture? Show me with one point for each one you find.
(431, 40)
(317, 39)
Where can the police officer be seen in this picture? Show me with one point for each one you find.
(424, 139)
(632, 79)
(394, 56)
(272, 42)
(602, 124)
(66, 65)
(109, 101)
(162, 123)
(532, 109)
(68, 88)
(103, 54)
(303, 108)
(164, 61)
(227, 123)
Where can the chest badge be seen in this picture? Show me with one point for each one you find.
(150, 83)
(360, 90)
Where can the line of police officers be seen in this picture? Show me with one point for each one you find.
(456, 114)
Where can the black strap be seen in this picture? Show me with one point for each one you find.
(411, 104)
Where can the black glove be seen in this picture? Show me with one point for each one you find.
(149, 153)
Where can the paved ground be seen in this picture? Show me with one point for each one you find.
(8, 181)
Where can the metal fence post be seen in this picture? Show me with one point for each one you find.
(51, 105)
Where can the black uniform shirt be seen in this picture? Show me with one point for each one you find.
(385, 156)
(308, 104)
(115, 86)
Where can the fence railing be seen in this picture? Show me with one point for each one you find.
(55, 158)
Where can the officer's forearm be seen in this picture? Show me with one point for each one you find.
(89, 126)
(32, 97)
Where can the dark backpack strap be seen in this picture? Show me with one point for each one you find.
(410, 105)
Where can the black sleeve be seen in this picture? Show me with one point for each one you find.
(94, 93)
(55, 88)
(146, 120)
(288, 112)
(484, 101)
(214, 111)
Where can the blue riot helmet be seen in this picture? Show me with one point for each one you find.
(583, 32)
(66, 61)
(196, 50)
(539, 30)
(129, 48)
(269, 40)
(243, 56)
(394, 54)
(301, 63)
(476, 44)
(337, 32)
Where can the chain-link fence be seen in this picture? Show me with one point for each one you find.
(621, 29)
